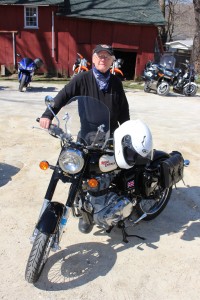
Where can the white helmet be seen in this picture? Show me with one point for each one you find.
(132, 141)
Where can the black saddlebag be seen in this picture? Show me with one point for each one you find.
(172, 169)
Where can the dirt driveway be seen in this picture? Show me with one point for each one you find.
(98, 266)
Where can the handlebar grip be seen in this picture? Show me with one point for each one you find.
(55, 131)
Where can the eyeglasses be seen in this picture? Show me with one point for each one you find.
(103, 56)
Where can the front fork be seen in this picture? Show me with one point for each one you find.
(51, 212)
(54, 215)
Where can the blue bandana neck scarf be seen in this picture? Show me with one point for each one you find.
(102, 79)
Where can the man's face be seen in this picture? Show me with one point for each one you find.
(102, 61)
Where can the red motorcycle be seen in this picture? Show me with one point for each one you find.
(81, 65)
(116, 66)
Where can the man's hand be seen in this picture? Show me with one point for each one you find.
(45, 123)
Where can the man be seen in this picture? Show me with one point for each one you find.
(97, 83)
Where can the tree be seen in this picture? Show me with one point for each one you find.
(195, 57)
(179, 18)
(167, 8)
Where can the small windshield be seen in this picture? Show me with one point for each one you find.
(89, 119)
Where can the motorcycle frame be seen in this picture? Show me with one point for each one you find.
(49, 221)
(186, 80)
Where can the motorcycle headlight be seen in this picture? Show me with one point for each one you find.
(30, 68)
(148, 74)
(71, 161)
(168, 73)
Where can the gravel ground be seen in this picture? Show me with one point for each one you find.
(98, 265)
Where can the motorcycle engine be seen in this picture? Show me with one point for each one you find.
(108, 208)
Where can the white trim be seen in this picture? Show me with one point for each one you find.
(14, 54)
(181, 44)
(25, 25)
(53, 35)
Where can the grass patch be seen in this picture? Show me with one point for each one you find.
(38, 78)
(134, 85)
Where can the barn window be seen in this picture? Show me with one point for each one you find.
(31, 17)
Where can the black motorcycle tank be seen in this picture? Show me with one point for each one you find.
(93, 165)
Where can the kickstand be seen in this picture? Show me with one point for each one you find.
(125, 234)
(109, 229)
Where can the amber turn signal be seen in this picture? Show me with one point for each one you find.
(44, 165)
(93, 183)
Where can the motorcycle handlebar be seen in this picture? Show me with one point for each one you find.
(55, 131)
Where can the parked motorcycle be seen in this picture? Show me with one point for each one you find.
(116, 67)
(184, 81)
(81, 65)
(111, 178)
(26, 69)
(159, 77)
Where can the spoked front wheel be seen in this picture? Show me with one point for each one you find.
(155, 204)
(38, 257)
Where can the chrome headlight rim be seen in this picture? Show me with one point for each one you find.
(71, 161)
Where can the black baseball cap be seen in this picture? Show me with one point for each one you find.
(106, 48)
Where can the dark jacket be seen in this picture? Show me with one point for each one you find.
(84, 84)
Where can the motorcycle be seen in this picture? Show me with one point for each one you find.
(26, 69)
(116, 66)
(81, 65)
(184, 81)
(111, 178)
(159, 77)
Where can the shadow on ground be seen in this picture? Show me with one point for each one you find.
(34, 89)
(7, 172)
(81, 263)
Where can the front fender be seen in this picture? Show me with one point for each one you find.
(50, 218)
(27, 74)
(82, 68)
(118, 71)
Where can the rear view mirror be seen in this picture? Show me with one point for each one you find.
(49, 101)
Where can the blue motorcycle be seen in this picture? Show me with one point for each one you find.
(26, 69)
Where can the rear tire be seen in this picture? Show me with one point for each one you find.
(190, 89)
(153, 206)
(22, 82)
(163, 88)
(38, 257)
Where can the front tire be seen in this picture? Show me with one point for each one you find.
(163, 88)
(38, 257)
(190, 89)
(153, 206)
(22, 82)
(146, 87)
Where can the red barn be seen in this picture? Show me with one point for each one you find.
(56, 30)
